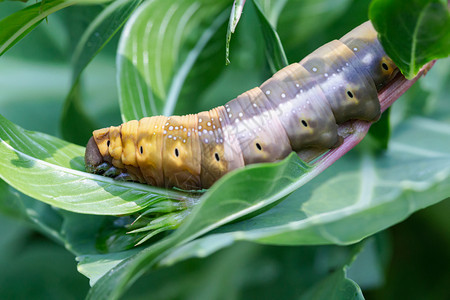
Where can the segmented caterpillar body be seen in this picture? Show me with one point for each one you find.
(298, 108)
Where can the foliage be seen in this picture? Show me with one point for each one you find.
(176, 63)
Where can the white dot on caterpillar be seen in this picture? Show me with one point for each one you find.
(167, 123)
(217, 141)
(199, 134)
(297, 85)
(283, 95)
(189, 133)
(326, 74)
(209, 123)
(214, 126)
(347, 64)
(170, 136)
(268, 92)
(176, 127)
(174, 138)
(156, 126)
(254, 105)
(230, 115)
(307, 102)
(236, 121)
(171, 128)
(221, 140)
(314, 69)
(355, 49)
(165, 131)
(241, 114)
(205, 131)
(184, 141)
(200, 120)
(181, 126)
(210, 132)
(184, 129)
(206, 141)
(228, 109)
(220, 119)
(199, 127)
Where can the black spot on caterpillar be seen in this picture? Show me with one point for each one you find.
(298, 108)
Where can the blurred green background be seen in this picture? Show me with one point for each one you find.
(408, 261)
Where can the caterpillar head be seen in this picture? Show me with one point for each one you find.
(97, 150)
(92, 157)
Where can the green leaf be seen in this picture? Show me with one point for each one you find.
(96, 36)
(51, 170)
(412, 32)
(335, 286)
(274, 49)
(19, 24)
(235, 15)
(154, 58)
(359, 195)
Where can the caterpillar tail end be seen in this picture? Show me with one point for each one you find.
(92, 157)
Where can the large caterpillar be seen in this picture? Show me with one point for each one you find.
(298, 108)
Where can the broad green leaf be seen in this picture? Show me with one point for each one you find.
(51, 170)
(19, 24)
(96, 36)
(268, 18)
(374, 191)
(158, 47)
(412, 32)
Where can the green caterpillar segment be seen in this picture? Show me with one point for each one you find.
(298, 108)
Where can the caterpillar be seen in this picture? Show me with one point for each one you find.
(298, 108)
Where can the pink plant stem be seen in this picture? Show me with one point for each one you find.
(387, 96)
